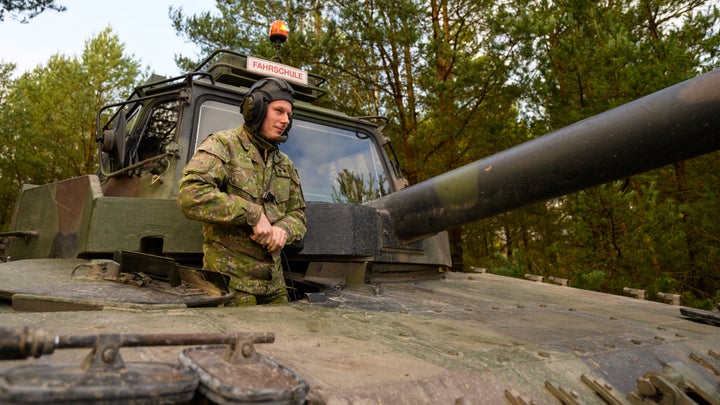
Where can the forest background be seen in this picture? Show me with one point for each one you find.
(459, 80)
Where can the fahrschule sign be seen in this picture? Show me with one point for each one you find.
(268, 68)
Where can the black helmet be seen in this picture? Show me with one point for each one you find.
(255, 102)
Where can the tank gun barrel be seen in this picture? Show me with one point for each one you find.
(674, 124)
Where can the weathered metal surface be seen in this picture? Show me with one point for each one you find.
(101, 377)
(711, 318)
(71, 218)
(465, 337)
(241, 375)
(136, 383)
(50, 285)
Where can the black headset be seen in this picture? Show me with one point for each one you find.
(255, 102)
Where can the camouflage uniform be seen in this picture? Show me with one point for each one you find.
(223, 186)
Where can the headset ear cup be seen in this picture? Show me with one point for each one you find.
(253, 110)
(248, 105)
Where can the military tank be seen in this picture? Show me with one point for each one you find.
(106, 264)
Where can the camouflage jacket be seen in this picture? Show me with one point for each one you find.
(223, 186)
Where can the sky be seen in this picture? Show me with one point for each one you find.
(142, 25)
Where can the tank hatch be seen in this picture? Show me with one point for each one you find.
(239, 374)
(142, 281)
(227, 369)
(101, 376)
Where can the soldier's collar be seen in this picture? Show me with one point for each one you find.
(244, 137)
(265, 148)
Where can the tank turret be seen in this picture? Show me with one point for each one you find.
(364, 224)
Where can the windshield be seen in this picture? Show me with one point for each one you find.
(335, 165)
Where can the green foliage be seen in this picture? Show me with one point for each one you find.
(590, 281)
(444, 88)
(241, 26)
(691, 300)
(511, 266)
(23, 10)
(652, 231)
(47, 115)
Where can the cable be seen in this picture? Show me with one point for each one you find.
(284, 259)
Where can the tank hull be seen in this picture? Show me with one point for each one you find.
(474, 338)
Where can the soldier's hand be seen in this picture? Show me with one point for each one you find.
(269, 236)
(278, 239)
(262, 231)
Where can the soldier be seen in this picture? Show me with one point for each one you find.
(247, 194)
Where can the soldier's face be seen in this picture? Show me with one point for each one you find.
(277, 119)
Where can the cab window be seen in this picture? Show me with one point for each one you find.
(336, 165)
(158, 132)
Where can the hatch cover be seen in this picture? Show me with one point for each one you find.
(239, 374)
